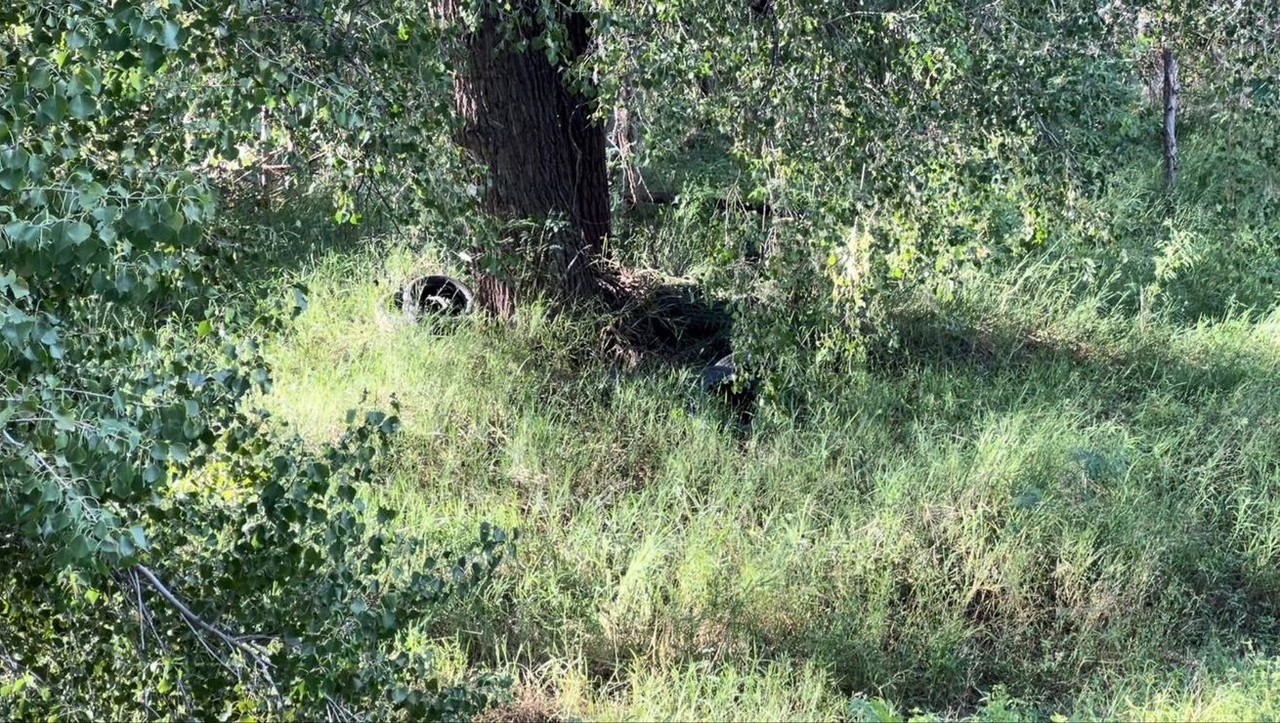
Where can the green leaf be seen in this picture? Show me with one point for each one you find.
(13, 167)
(78, 232)
(89, 196)
(82, 106)
(65, 422)
(80, 548)
(54, 108)
(52, 491)
(170, 34)
(11, 180)
(40, 78)
(22, 231)
(14, 158)
(18, 287)
(36, 167)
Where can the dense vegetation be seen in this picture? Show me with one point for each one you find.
(1010, 449)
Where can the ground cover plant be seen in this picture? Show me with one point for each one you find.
(1001, 290)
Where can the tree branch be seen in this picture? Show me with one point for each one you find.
(238, 642)
(246, 645)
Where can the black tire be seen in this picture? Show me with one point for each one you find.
(723, 382)
(435, 295)
(722, 373)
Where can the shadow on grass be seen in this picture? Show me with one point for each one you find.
(288, 241)
(1216, 589)
(1131, 368)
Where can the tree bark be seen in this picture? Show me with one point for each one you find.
(627, 141)
(545, 154)
(1171, 89)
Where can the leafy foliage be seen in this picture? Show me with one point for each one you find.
(128, 365)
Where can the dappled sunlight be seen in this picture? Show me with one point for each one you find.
(516, 362)
(957, 506)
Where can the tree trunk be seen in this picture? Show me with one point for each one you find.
(627, 141)
(1171, 88)
(545, 154)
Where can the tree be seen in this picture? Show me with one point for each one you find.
(537, 132)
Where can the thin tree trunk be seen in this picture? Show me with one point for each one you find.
(624, 135)
(545, 153)
(626, 141)
(1171, 89)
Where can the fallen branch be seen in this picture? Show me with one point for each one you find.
(247, 645)
(243, 643)
(131, 583)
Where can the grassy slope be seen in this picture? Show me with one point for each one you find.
(1026, 499)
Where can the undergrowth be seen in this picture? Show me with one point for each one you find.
(1026, 501)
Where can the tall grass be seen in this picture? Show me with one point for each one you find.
(1026, 502)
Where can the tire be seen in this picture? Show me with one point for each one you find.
(435, 295)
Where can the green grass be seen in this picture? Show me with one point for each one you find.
(1026, 504)
(1024, 494)
(1055, 494)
